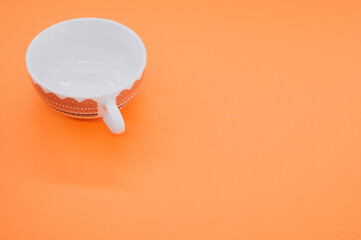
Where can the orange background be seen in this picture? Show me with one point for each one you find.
(247, 126)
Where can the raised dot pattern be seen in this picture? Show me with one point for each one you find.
(87, 107)
(124, 97)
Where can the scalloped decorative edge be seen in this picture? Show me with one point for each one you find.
(84, 109)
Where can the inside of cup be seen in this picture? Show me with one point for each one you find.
(86, 57)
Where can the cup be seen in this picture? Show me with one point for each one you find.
(87, 68)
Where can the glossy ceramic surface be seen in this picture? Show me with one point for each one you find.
(80, 65)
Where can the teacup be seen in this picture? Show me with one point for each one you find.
(87, 68)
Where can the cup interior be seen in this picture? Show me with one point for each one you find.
(86, 57)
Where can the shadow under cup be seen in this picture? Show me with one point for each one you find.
(80, 65)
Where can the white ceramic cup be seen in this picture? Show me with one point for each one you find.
(87, 68)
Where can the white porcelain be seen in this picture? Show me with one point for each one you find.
(87, 60)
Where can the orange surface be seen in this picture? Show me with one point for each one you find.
(247, 126)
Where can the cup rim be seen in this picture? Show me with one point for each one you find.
(126, 85)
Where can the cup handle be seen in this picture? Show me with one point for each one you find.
(113, 118)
